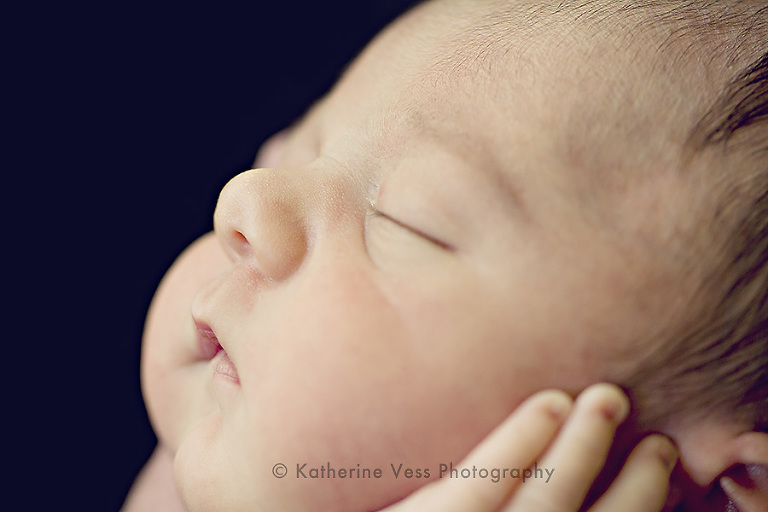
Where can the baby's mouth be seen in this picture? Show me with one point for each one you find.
(208, 343)
(211, 349)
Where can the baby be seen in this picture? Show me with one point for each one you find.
(497, 198)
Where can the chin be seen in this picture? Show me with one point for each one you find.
(211, 478)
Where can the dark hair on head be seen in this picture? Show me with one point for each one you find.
(744, 103)
(709, 81)
(720, 365)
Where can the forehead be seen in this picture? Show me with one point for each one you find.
(429, 72)
(422, 82)
(500, 79)
(587, 107)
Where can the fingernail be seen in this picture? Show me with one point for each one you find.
(729, 486)
(666, 451)
(616, 408)
(559, 406)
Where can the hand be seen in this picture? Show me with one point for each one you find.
(570, 439)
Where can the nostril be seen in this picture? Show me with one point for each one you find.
(262, 219)
(240, 242)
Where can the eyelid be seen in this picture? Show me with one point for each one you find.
(378, 213)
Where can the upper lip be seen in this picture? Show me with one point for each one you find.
(208, 342)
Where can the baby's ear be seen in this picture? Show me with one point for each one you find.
(746, 483)
(720, 464)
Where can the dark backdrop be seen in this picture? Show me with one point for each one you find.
(123, 121)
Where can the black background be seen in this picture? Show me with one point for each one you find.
(123, 121)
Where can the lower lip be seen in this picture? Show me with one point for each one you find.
(223, 366)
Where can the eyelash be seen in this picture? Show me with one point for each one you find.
(377, 213)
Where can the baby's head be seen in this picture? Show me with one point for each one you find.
(496, 198)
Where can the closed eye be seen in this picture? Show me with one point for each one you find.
(426, 236)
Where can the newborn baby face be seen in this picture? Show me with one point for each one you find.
(411, 264)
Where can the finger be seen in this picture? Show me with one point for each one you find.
(643, 482)
(578, 454)
(516, 443)
(747, 484)
(746, 499)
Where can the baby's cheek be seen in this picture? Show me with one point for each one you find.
(365, 439)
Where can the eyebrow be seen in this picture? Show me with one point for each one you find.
(501, 179)
(506, 184)
(509, 186)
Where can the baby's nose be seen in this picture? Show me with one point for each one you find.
(260, 217)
